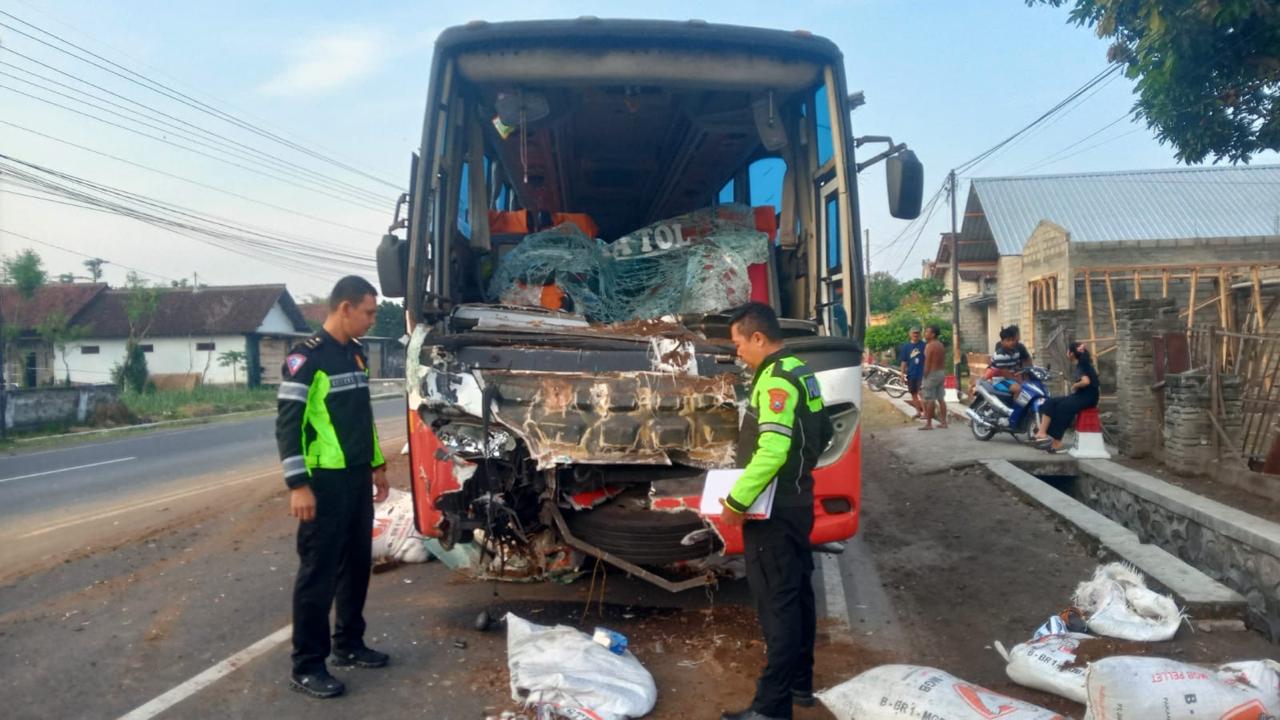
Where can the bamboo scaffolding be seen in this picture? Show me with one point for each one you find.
(1111, 307)
(1088, 298)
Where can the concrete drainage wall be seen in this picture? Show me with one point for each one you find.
(1234, 555)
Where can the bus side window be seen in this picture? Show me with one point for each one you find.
(822, 120)
(764, 179)
(726, 193)
(834, 255)
(464, 200)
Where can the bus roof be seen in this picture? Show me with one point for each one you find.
(589, 32)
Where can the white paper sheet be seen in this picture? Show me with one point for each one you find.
(720, 482)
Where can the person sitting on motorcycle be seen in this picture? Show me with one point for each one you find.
(1008, 360)
(1057, 413)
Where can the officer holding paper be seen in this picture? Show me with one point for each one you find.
(785, 430)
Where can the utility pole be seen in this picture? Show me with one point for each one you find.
(867, 282)
(955, 276)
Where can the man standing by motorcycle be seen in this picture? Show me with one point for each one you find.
(932, 391)
(911, 359)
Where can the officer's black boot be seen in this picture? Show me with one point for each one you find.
(803, 698)
(363, 657)
(318, 684)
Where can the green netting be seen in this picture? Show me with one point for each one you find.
(695, 263)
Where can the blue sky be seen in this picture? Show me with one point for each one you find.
(948, 78)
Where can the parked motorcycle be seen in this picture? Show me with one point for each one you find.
(875, 376)
(895, 383)
(883, 378)
(995, 410)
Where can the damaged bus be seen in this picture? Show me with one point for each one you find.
(590, 198)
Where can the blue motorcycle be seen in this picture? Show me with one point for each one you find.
(996, 410)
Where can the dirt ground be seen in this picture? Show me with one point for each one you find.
(1228, 495)
(967, 563)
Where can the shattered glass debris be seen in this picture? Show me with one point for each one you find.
(464, 440)
(694, 263)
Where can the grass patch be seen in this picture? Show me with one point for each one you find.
(201, 402)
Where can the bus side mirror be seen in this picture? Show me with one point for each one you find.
(393, 264)
(905, 175)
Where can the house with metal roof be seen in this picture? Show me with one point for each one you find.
(1087, 241)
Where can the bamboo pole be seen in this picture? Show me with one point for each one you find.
(1255, 274)
(1111, 306)
(1137, 285)
(1164, 288)
(1191, 316)
(1224, 313)
(1088, 300)
(1215, 391)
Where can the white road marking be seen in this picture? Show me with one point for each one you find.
(164, 499)
(833, 588)
(208, 677)
(68, 469)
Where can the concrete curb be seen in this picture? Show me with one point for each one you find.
(1201, 596)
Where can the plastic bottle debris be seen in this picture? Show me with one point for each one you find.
(615, 641)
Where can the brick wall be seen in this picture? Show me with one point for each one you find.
(1137, 407)
(1012, 290)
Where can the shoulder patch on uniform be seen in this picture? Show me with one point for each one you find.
(778, 399)
(811, 386)
(295, 362)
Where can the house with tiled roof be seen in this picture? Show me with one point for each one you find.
(29, 357)
(188, 332)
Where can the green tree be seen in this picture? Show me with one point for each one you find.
(1207, 71)
(56, 330)
(884, 292)
(140, 305)
(25, 270)
(233, 359)
(94, 266)
(390, 320)
(132, 373)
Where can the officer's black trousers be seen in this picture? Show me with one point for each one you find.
(335, 552)
(779, 571)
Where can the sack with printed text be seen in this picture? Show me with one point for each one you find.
(1121, 688)
(1048, 663)
(894, 692)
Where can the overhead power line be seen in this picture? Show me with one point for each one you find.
(125, 73)
(55, 246)
(1053, 157)
(211, 156)
(1090, 84)
(197, 183)
(304, 256)
(156, 115)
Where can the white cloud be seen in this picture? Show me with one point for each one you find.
(329, 61)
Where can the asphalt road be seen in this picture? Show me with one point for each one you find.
(100, 470)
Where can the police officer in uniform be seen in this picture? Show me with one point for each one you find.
(329, 448)
(785, 430)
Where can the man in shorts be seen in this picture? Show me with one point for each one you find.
(932, 392)
(911, 359)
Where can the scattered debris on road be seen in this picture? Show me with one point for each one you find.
(566, 669)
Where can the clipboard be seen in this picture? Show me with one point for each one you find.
(718, 485)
